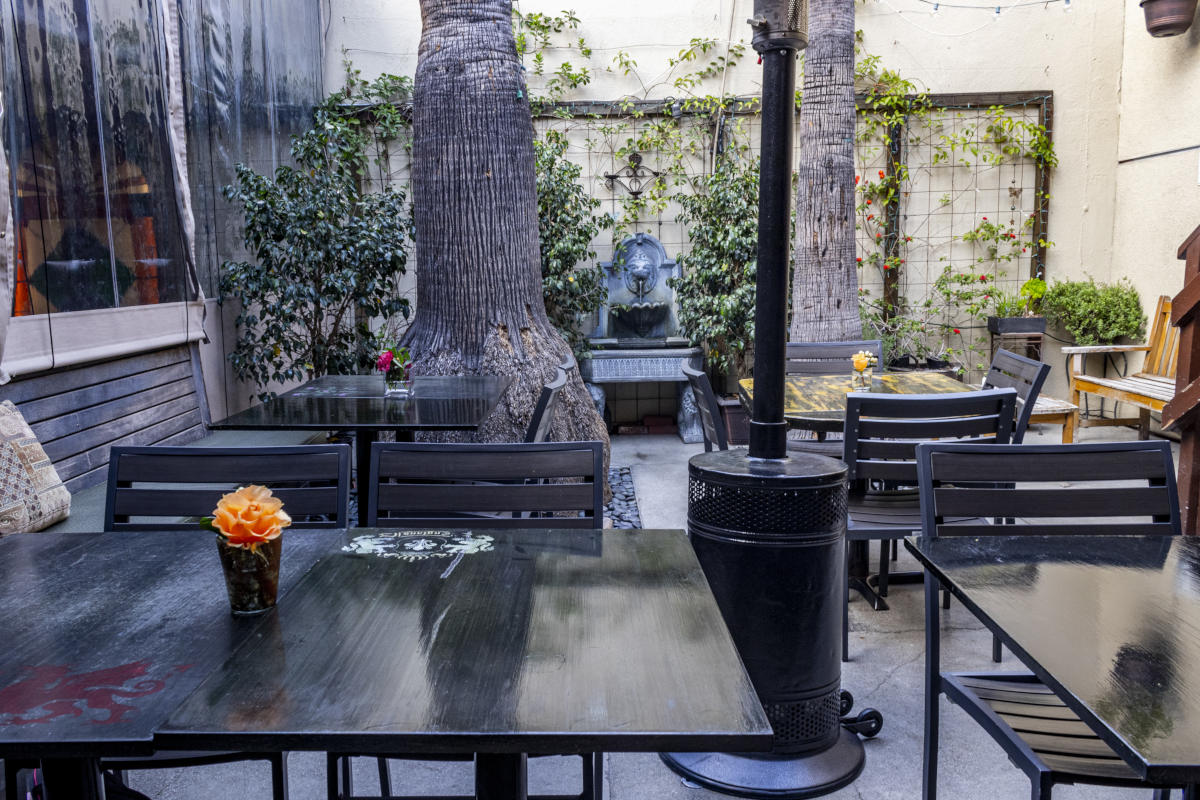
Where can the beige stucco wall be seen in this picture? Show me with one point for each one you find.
(1157, 198)
(1118, 94)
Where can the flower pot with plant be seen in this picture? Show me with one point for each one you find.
(1020, 312)
(249, 524)
(1096, 313)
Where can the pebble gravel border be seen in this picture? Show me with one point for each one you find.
(623, 510)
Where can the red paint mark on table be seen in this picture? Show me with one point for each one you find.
(52, 692)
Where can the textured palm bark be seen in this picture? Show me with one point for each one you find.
(825, 284)
(479, 286)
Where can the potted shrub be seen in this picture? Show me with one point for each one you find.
(1020, 312)
(717, 289)
(1096, 313)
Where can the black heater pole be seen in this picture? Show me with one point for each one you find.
(770, 531)
(777, 37)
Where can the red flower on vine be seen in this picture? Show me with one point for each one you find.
(983, 278)
(856, 180)
(956, 330)
(870, 217)
(881, 173)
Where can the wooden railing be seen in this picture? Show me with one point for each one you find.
(1181, 412)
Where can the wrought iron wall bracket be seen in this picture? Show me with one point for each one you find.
(632, 178)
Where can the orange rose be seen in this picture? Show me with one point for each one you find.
(249, 516)
(861, 361)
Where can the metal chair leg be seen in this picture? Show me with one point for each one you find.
(933, 688)
(279, 781)
(883, 568)
(997, 649)
(385, 777)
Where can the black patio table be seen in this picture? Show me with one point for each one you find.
(358, 403)
(1110, 623)
(105, 633)
(498, 643)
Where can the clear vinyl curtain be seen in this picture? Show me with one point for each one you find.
(123, 120)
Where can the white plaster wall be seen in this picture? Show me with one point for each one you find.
(1157, 197)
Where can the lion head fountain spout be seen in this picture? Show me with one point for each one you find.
(640, 311)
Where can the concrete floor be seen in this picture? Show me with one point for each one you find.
(887, 649)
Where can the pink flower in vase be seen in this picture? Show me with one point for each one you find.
(384, 364)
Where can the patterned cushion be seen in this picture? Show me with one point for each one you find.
(31, 494)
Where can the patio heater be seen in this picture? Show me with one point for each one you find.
(769, 530)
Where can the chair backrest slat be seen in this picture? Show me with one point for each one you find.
(297, 502)
(1163, 342)
(710, 410)
(160, 485)
(827, 358)
(522, 485)
(1025, 376)
(543, 412)
(1069, 489)
(883, 430)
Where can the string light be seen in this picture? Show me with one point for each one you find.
(997, 17)
(1066, 6)
(935, 9)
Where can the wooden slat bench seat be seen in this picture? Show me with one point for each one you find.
(1149, 390)
(80, 412)
(1053, 411)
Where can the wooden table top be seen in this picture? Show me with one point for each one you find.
(497, 641)
(818, 401)
(105, 633)
(1112, 623)
(335, 402)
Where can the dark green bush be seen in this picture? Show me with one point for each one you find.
(1096, 313)
(566, 226)
(716, 293)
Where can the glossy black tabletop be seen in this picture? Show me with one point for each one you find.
(103, 634)
(497, 641)
(1110, 622)
(451, 402)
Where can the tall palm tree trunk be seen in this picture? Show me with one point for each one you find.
(825, 284)
(479, 285)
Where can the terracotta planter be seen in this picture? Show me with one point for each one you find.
(251, 576)
(1168, 17)
(737, 420)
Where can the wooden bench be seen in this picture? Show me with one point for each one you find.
(1056, 412)
(1149, 390)
(80, 412)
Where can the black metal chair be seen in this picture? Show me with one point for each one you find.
(710, 410)
(881, 436)
(1026, 376)
(420, 485)
(543, 412)
(152, 488)
(825, 358)
(1039, 486)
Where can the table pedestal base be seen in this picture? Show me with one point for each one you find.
(773, 776)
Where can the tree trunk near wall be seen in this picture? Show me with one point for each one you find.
(825, 283)
(479, 283)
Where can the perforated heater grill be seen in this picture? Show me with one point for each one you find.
(760, 511)
(804, 725)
